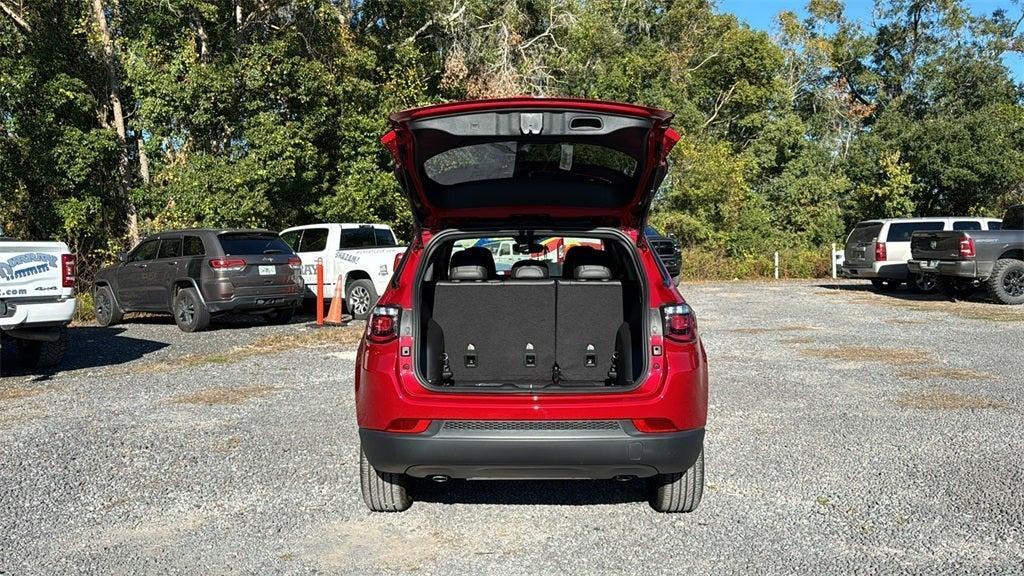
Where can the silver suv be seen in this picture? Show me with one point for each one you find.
(195, 274)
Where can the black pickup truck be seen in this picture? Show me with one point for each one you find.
(967, 260)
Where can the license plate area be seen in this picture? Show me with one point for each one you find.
(268, 270)
(929, 264)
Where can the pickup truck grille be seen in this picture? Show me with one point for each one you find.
(663, 247)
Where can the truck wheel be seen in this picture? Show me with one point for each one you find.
(280, 316)
(107, 311)
(679, 491)
(383, 491)
(923, 283)
(1006, 284)
(190, 313)
(41, 354)
(360, 299)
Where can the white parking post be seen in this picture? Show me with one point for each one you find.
(776, 265)
(833, 260)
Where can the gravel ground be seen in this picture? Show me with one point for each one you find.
(849, 433)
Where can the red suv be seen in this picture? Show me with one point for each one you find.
(491, 355)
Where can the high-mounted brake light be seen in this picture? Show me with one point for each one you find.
(67, 270)
(679, 322)
(294, 262)
(383, 324)
(967, 249)
(227, 264)
(880, 252)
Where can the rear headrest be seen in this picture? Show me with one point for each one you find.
(468, 273)
(592, 272)
(587, 263)
(529, 269)
(470, 258)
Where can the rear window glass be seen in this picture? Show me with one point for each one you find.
(1014, 219)
(903, 231)
(292, 239)
(357, 238)
(313, 240)
(170, 248)
(193, 246)
(507, 160)
(384, 237)
(995, 225)
(865, 232)
(245, 243)
(966, 225)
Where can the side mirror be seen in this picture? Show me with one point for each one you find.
(122, 258)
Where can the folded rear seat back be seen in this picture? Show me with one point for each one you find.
(495, 331)
(589, 316)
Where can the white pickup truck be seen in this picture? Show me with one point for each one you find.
(358, 261)
(37, 299)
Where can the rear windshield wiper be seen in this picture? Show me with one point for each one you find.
(273, 251)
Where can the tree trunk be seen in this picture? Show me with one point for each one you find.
(99, 14)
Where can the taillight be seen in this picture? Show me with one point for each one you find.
(679, 322)
(880, 252)
(67, 270)
(383, 324)
(398, 259)
(227, 264)
(295, 262)
(967, 247)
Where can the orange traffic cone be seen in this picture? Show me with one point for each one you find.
(334, 313)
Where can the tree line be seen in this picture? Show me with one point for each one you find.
(123, 117)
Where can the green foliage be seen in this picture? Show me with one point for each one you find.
(269, 113)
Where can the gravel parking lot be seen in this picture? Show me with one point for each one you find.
(850, 432)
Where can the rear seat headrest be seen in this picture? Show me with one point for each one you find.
(468, 273)
(592, 272)
(529, 269)
(587, 263)
(474, 263)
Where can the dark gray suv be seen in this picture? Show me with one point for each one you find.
(195, 274)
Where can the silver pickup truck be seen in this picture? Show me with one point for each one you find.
(967, 260)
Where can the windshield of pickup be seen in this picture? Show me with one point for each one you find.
(1014, 219)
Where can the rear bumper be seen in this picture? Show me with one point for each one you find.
(262, 302)
(959, 268)
(500, 450)
(22, 314)
(897, 271)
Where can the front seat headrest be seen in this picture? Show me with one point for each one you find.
(474, 257)
(533, 269)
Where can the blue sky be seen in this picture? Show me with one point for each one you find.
(761, 14)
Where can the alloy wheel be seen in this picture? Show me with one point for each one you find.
(1013, 282)
(926, 282)
(186, 311)
(103, 308)
(360, 299)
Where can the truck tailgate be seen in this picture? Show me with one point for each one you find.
(936, 245)
(32, 270)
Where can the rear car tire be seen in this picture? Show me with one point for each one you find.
(105, 307)
(280, 316)
(923, 283)
(190, 314)
(383, 491)
(679, 491)
(1006, 284)
(41, 354)
(360, 297)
